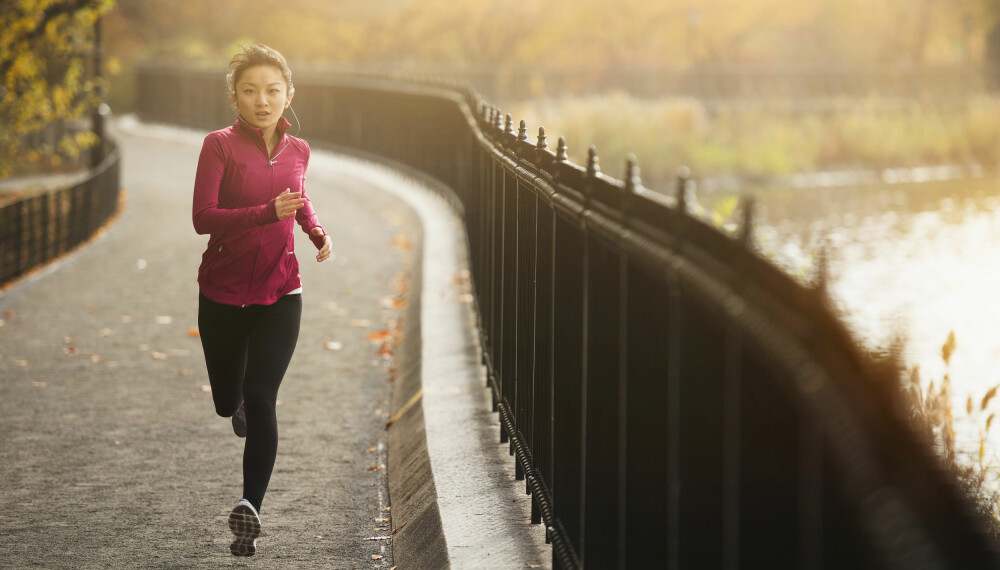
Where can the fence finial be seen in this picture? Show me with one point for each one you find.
(522, 131)
(561, 155)
(541, 139)
(746, 229)
(683, 174)
(498, 117)
(593, 166)
(509, 125)
(632, 180)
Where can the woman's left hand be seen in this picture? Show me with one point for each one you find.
(324, 251)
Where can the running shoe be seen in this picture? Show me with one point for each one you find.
(240, 421)
(245, 524)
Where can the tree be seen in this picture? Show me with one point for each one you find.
(45, 78)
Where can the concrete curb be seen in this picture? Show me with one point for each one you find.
(418, 537)
(455, 498)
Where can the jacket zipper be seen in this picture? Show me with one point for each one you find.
(260, 232)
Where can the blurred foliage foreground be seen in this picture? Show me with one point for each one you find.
(46, 81)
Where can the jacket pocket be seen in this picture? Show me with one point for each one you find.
(214, 256)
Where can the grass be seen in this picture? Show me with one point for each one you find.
(759, 141)
(932, 414)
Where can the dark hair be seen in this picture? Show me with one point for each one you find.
(253, 55)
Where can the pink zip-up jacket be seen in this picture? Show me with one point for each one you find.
(250, 259)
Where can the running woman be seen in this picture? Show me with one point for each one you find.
(248, 194)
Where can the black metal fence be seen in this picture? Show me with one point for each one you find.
(673, 400)
(41, 227)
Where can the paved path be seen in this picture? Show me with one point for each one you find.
(110, 452)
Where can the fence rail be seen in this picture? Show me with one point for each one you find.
(39, 228)
(671, 398)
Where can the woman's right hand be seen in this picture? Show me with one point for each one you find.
(287, 202)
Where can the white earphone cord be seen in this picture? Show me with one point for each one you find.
(298, 129)
(298, 125)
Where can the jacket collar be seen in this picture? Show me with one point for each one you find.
(242, 124)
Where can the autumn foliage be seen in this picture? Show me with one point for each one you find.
(46, 50)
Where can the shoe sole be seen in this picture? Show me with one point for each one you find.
(246, 527)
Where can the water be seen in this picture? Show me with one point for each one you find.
(916, 262)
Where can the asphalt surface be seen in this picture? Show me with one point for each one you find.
(111, 454)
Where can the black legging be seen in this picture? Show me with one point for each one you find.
(247, 351)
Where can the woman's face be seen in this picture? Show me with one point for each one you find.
(261, 96)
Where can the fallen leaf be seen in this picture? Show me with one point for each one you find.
(143, 347)
(68, 339)
(332, 345)
(70, 350)
(373, 467)
(106, 332)
(2, 323)
(401, 242)
(141, 264)
(379, 335)
(97, 358)
(164, 319)
(8, 314)
(377, 557)
(384, 351)
(39, 384)
(158, 355)
(360, 323)
(393, 302)
(371, 450)
(128, 319)
(206, 388)
(530, 565)
(194, 333)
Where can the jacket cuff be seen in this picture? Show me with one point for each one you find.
(317, 240)
(270, 214)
